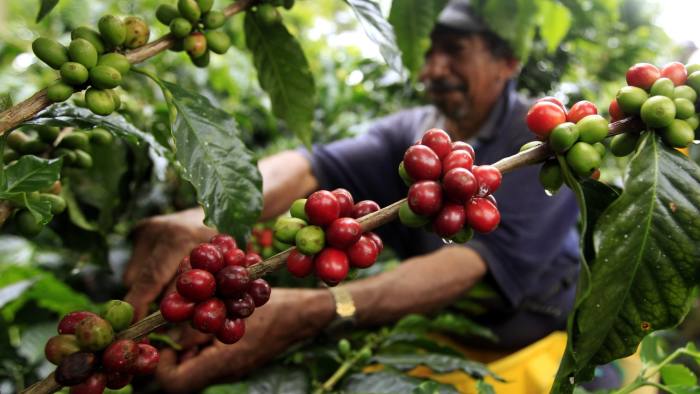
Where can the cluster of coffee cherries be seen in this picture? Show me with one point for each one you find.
(93, 61)
(327, 237)
(576, 133)
(89, 358)
(447, 193)
(665, 99)
(263, 242)
(215, 291)
(193, 23)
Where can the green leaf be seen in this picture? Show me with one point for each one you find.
(430, 387)
(75, 214)
(283, 73)
(515, 21)
(46, 7)
(34, 340)
(31, 173)
(439, 363)
(597, 197)
(40, 209)
(216, 162)
(379, 31)
(484, 388)
(556, 23)
(385, 382)
(651, 350)
(413, 20)
(646, 258)
(678, 374)
(14, 250)
(279, 380)
(235, 388)
(5, 102)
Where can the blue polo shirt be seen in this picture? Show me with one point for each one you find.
(533, 255)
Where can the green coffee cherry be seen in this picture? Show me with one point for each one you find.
(693, 121)
(592, 128)
(48, 134)
(297, 209)
(267, 252)
(563, 137)
(411, 219)
(217, 41)
(112, 30)
(99, 101)
(119, 314)
(684, 108)
(691, 68)
(81, 51)
(658, 111)
(344, 347)
(33, 147)
(50, 52)
(196, 44)
(75, 140)
(27, 224)
(407, 180)
(694, 80)
(115, 97)
(74, 73)
(213, 19)
(58, 204)
(600, 148)
(165, 13)
(105, 77)
(530, 145)
(59, 92)
(630, 99)
(463, 235)
(92, 36)
(662, 87)
(82, 159)
(59, 347)
(685, 92)
(137, 32)
(678, 134)
(9, 156)
(100, 136)
(180, 27)
(550, 176)
(201, 61)
(115, 60)
(94, 333)
(279, 246)
(205, 5)
(190, 10)
(310, 240)
(69, 157)
(286, 228)
(583, 158)
(288, 4)
(365, 354)
(16, 139)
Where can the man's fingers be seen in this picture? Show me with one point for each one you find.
(192, 374)
(140, 295)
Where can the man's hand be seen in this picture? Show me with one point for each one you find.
(289, 316)
(159, 245)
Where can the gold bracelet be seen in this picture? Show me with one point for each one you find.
(344, 312)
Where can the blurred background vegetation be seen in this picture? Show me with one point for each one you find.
(76, 263)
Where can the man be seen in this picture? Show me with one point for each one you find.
(531, 259)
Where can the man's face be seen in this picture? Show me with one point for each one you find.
(462, 77)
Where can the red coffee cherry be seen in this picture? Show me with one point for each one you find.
(146, 361)
(425, 197)
(266, 237)
(184, 265)
(299, 264)
(117, 380)
(260, 292)
(209, 316)
(345, 200)
(322, 207)
(543, 117)
(439, 141)
(207, 257)
(642, 75)
(95, 384)
(377, 240)
(332, 266)
(482, 215)
(252, 258)
(224, 242)
(175, 308)
(615, 111)
(461, 145)
(343, 232)
(553, 100)
(421, 163)
(449, 220)
(120, 355)
(363, 253)
(489, 179)
(235, 257)
(241, 307)
(231, 331)
(676, 72)
(232, 281)
(364, 208)
(457, 159)
(196, 284)
(580, 110)
(459, 185)
(69, 321)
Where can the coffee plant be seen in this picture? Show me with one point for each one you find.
(639, 253)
